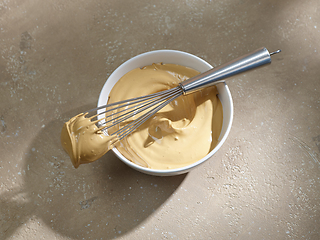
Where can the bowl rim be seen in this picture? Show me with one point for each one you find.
(174, 171)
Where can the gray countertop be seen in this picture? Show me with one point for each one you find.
(264, 183)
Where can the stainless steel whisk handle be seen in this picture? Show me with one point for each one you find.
(249, 61)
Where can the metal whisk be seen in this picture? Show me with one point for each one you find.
(142, 108)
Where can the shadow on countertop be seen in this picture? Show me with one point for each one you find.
(104, 199)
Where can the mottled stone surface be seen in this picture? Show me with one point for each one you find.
(264, 183)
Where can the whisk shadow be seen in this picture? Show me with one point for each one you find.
(105, 199)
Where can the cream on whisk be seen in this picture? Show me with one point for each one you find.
(83, 141)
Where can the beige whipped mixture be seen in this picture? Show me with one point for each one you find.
(181, 133)
(83, 141)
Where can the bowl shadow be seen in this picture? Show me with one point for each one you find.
(104, 199)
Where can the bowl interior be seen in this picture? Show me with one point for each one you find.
(175, 57)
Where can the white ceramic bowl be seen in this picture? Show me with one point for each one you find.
(181, 58)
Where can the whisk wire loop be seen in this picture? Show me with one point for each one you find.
(127, 102)
(126, 130)
(119, 112)
(134, 109)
